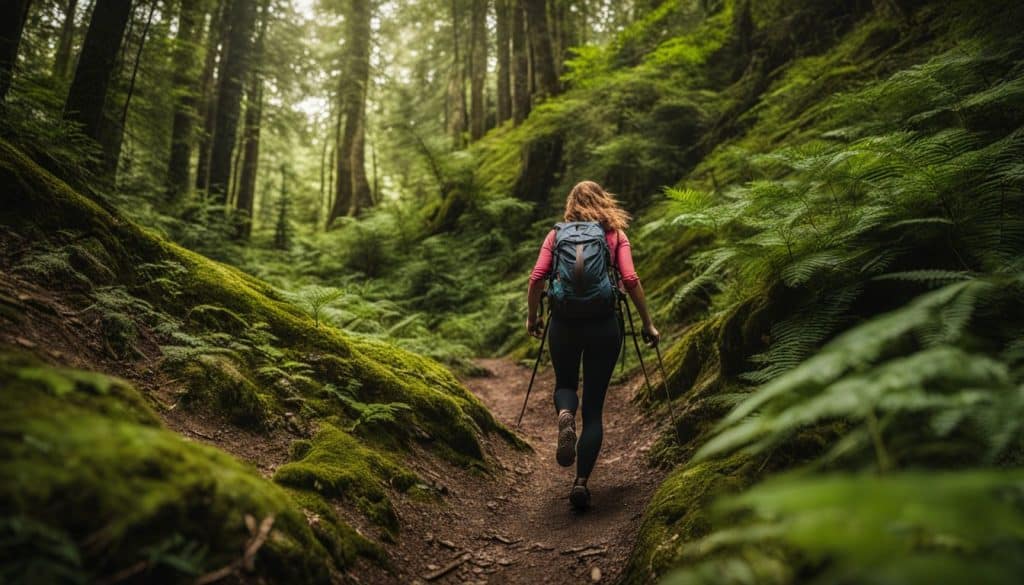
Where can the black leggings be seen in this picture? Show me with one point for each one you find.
(597, 342)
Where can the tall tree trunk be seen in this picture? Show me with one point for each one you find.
(323, 181)
(62, 62)
(520, 63)
(242, 17)
(565, 24)
(216, 38)
(335, 162)
(184, 81)
(13, 14)
(251, 133)
(352, 190)
(478, 69)
(556, 20)
(457, 81)
(504, 87)
(282, 229)
(362, 197)
(114, 132)
(88, 92)
(584, 27)
(540, 43)
(236, 165)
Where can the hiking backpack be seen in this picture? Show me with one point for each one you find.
(582, 282)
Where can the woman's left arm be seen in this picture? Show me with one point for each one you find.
(534, 324)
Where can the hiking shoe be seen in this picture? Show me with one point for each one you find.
(579, 497)
(566, 452)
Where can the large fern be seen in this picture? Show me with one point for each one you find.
(917, 363)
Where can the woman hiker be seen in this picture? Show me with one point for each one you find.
(580, 259)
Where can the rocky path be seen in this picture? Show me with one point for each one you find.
(517, 526)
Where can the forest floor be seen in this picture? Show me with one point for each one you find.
(511, 523)
(516, 526)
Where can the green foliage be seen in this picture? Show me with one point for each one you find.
(314, 299)
(899, 368)
(959, 527)
(369, 415)
(853, 259)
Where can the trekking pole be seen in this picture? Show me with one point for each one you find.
(636, 344)
(540, 353)
(664, 383)
(622, 332)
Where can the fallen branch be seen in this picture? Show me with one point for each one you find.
(447, 568)
(504, 539)
(585, 551)
(248, 561)
(127, 573)
(202, 435)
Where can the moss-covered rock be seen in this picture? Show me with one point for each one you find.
(336, 465)
(217, 382)
(93, 486)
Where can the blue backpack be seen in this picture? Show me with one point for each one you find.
(582, 281)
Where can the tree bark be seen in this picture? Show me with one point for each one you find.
(242, 17)
(478, 69)
(12, 23)
(520, 64)
(184, 81)
(352, 189)
(251, 133)
(503, 101)
(566, 27)
(323, 182)
(62, 61)
(88, 92)
(457, 82)
(216, 38)
(114, 132)
(540, 42)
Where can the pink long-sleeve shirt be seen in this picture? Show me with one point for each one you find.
(618, 243)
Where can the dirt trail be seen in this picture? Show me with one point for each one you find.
(517, 526)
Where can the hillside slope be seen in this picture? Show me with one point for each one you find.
(96, 487)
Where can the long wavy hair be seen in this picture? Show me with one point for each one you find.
(588, 201)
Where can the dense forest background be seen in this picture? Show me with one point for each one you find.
(302, 222)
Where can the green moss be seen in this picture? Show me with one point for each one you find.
(92, 485)
(344, 543)
(298, 449)
(217, 382)
(337, 465)
(680, 511)
(73, 389)
(218, 318)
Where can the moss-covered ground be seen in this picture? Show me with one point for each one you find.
(96, 488)
(95, 484)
